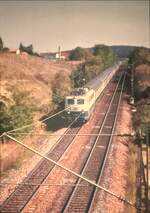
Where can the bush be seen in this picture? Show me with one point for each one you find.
(141, 55)
(93, 66)
(1, 44)
(16, 115)
(108, 57)
(80, 53)
(60, 87)
(140, 59)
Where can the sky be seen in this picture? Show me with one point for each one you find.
(48, 24)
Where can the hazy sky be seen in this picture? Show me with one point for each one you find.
(48, 24)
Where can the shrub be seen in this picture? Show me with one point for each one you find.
(60, 87)
(18, 114)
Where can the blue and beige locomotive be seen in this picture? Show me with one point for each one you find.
(81, 102)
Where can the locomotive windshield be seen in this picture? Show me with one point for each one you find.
(80, 101)
(70, 101)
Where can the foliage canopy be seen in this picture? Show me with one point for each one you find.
(80, 53)
(16, 115)
(103, 57)
(1, 44)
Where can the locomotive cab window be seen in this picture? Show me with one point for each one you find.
(80, 101)
(70, 101)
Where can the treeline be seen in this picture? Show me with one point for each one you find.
(94, 61)
(140, 63)
(140, 55)
(22, 48)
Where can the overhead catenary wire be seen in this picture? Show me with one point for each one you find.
(61, 135)
(72, 172)
(33, 124)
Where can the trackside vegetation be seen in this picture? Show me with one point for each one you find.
(95, 60)
(60, 88)
(17, 114)
(140, 63)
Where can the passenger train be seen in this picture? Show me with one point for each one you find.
(81, 102)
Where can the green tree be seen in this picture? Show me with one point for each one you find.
(78, 75)
(80, 53)
(1, 44)
(108, 57)
(16, 115)
(141, 55)
(28, 49)
(102, 57)
(60, 88)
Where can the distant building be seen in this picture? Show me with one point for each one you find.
(18, 51)
(59, 55)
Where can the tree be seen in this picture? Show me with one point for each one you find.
(78, 75)
(141, 55)
(80, 53)
(102, 57)
(106, 54)
(28, 49)
(16, 115)
(1, 44)
(60, 88)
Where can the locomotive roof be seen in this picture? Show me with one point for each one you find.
(80, 92)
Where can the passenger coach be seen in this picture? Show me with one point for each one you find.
(81, 101)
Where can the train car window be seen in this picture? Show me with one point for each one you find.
(80, 101)
(70, 101)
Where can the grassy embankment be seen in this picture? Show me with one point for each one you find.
(46, 84)
(140, 60)
(26, 92)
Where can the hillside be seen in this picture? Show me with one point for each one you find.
(29, 73)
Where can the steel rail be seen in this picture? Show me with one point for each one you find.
(92, 150)
(69, 170)
(108, 146)
(23, 202)
(92, 134)
(87, 180)
(60, 165)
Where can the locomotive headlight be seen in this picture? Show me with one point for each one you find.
(68, 112)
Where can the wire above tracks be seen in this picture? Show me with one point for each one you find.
(29, 125)
(72, 172)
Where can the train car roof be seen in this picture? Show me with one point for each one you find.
(94, 83)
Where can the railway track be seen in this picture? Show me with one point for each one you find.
(25, 191)
(82, 195)
(143, 173)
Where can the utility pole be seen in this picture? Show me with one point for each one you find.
(132, 85)
(132, 82)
